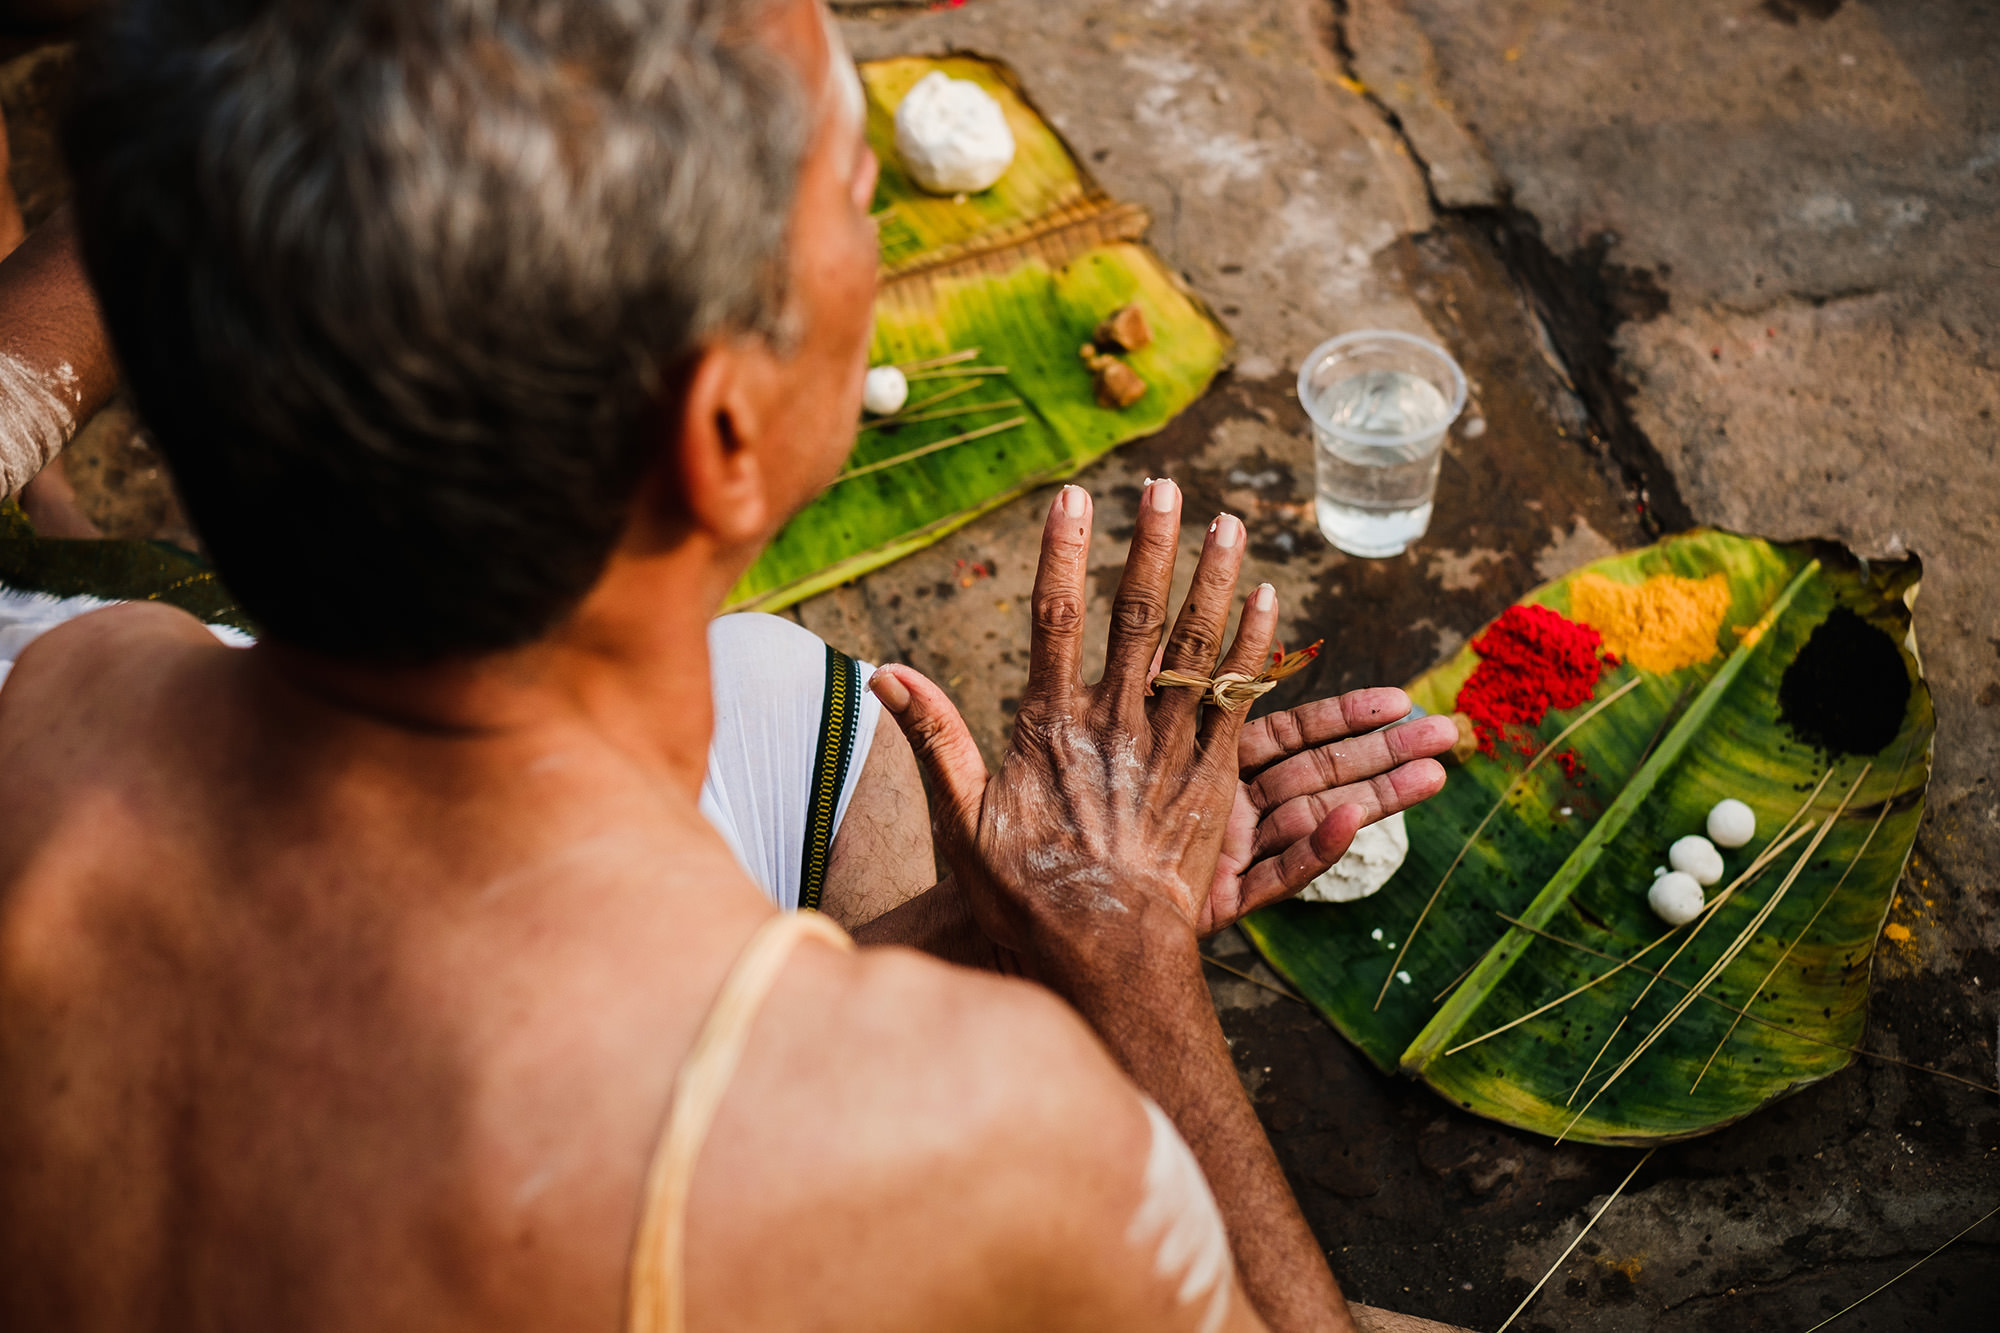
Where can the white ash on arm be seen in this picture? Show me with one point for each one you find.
(38, 415)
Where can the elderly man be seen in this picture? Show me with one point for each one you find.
(389, 974)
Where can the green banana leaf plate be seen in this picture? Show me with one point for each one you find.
(115, 570)
(1570, 858)
(1024, 272)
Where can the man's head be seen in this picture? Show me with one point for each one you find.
(419, 296)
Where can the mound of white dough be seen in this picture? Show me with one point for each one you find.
(1372, 859)
(952, 136)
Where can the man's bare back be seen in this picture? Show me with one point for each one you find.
(346, 982)
(257, 951)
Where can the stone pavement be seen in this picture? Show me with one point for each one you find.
(1702, 262)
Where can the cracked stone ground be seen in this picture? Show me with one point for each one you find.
(1708, 262)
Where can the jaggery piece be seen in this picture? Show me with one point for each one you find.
(1126, 329)
(1118, 385)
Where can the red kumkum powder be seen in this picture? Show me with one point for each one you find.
(1531, 661)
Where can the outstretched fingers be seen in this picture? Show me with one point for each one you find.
(1247, 656)
(1352, 759)
(944, 747)
(1055, 651)
(1196, 640)
(1278, 735)
(1139, 610)
(1384, 794)
(1304, 861)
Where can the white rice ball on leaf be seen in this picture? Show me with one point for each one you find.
(884, 390)
(1731, 823)
(1676, 898)
(1696, 855)
(952, 135)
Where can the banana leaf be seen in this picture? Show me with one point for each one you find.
(1571, 857)
(1024, 272)
(116, 570)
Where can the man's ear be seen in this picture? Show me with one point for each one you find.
(721, 464)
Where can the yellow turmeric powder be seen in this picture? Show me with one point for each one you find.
(1661, 625)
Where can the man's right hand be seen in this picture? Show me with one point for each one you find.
(1110, 807)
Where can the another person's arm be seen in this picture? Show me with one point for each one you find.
(56, 367)
(1092, 854)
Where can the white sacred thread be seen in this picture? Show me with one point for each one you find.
(35, 422)
(1179, 1217)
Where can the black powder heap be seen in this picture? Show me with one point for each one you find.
(1847, 689)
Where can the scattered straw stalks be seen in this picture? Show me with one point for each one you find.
(1728, 955)
(969, 409)
(954, 372)
(1756, 867)
(948, 359)
(1570, 1249)
(1907, 1271)
(902, 414)
(1805, 930)
(934, 447)
(1758, 1019)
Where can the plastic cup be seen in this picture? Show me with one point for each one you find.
(1380, 404)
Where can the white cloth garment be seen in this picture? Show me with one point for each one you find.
(770, 683)
(769, 676)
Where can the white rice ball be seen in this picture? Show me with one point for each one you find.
(1676, 898)
(952, 136)
(1372, 860)
(1696, 855)
(1731, 823)
(885, 390)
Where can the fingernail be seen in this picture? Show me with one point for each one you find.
(1074, 501)
(1265, 597)
(1163, 493)
(895, 695)
(1228, 530)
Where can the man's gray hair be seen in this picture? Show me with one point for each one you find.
(398, 282)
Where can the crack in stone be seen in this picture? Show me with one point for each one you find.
(1575, 303)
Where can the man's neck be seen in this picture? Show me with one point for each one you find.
(629, 665)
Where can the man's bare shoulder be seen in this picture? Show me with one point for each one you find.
(957, 1150)
(65, 677)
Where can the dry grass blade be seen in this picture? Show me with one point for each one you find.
(902, 413)
(947, 443)
(1758, 1019)
(1534, 1013)
(1452, 985)
(1513, 786)
(1728, 956)
(1255, 981)
(1813, 920)
(1785, 837)
(1906, 1272)
(1571, 1248)
(955, 372)
(950, 359)
(943, 412)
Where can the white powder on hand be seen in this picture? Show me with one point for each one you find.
(36, 419)
(1372, 859)
(952, 136)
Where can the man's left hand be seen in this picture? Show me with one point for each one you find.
(1312, 777)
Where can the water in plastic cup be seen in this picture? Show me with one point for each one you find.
(1380, 404)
